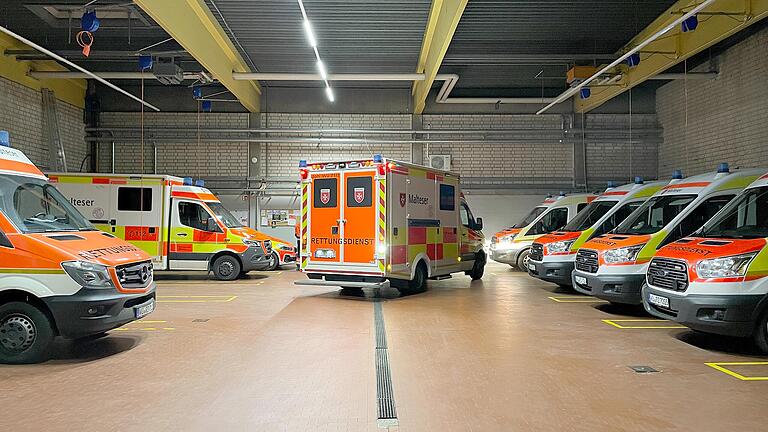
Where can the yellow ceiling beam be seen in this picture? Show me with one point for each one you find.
(444, 16)
(71, 91)
(718, 21)
(194, 27)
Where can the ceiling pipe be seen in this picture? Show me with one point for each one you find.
(260, 76)
(69, 63)
(443, 95)
(573, 90)
(218, 131)
(105, 75)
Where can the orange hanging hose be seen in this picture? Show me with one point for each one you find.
(85, 40)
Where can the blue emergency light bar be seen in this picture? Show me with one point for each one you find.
(302, 163)
(377, 158)
(5, 138)
(723, 168)
(187, 181)
(200, 183)
(639, 180)
(677, 174)
(612, 184)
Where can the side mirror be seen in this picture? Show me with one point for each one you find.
(479, 224)
(5, 241)
(212, 226)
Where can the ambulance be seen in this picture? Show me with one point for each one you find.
(181, 225)
(508, 234)
(553, 255)
(59, 275)
(283, 253)
(514, 248)
(379, 222)
(716, 280)
(612, 267)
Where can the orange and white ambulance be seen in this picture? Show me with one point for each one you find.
(716, 280)
(59, 276)
(553, 255)
(612, 266)
(379, 222)
(181, 225)
(553, 214)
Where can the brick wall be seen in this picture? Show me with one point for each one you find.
(610, 157)
(726, 117)
(282, 159)
(206, 159)
(21, 114)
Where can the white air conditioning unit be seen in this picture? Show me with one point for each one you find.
(441, 162)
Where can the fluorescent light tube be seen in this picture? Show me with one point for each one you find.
(329, 93)
(310, 35)
(321, 69)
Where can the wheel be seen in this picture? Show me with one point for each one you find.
(522, 261)
(26, 334)
(761, 333)
(274, 262)
(478, 268)
(418, 283)
(226, 268)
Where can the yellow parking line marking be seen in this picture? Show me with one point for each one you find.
(615, 323)
(575, 299)
(151, 322)
(196, 299)
(143, 328)
(720, 366)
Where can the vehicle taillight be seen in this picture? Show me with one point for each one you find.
(304, 174)
(382, 169)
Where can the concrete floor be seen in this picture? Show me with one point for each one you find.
(508, 353)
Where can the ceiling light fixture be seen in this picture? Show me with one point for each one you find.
(313, 43)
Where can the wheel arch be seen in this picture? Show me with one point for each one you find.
(222, 253)
(17, 295)
(422, 257)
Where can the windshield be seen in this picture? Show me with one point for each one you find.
(35, 206)
(655, 214)
(224, 215)
(589, 216)
(746, 217)
(530, 217)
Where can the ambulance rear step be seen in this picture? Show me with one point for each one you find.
(344, 281)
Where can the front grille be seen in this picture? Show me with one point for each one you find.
(537, 252)
(668, 274)
(135, 275)
(586, 261)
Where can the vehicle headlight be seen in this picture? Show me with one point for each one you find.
(88, 274)
(507, 238)
(286, 248)
(249, 242)
(559, 246)
(724, 267)
(622, 255)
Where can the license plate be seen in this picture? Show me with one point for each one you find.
(145, 309)
(531, 266)
(658, 300)
(581, 280)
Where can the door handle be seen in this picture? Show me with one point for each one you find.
(181, 234)
(341, 221)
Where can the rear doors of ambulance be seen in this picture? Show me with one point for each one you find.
(343, 209)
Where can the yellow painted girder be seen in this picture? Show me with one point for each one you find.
(71, 91)
(676, 46)
(444, 17)
(194, 27)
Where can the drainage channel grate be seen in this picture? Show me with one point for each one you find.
(643, 369)
(384, 394)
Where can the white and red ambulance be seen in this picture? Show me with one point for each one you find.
(376, 222)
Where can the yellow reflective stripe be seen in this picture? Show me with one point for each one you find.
(31, 271)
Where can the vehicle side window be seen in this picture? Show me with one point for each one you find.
(134, 199)
(466, 216)
(193, 215)
(697, 218)
(581, 206)
(447, 197)
(552, 221)
(616, 218)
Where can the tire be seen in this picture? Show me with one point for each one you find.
(419, 282)
(761, 333)
(522, 261)
(478, 268)
(274, 262)
(26, 334)
(226, 268)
